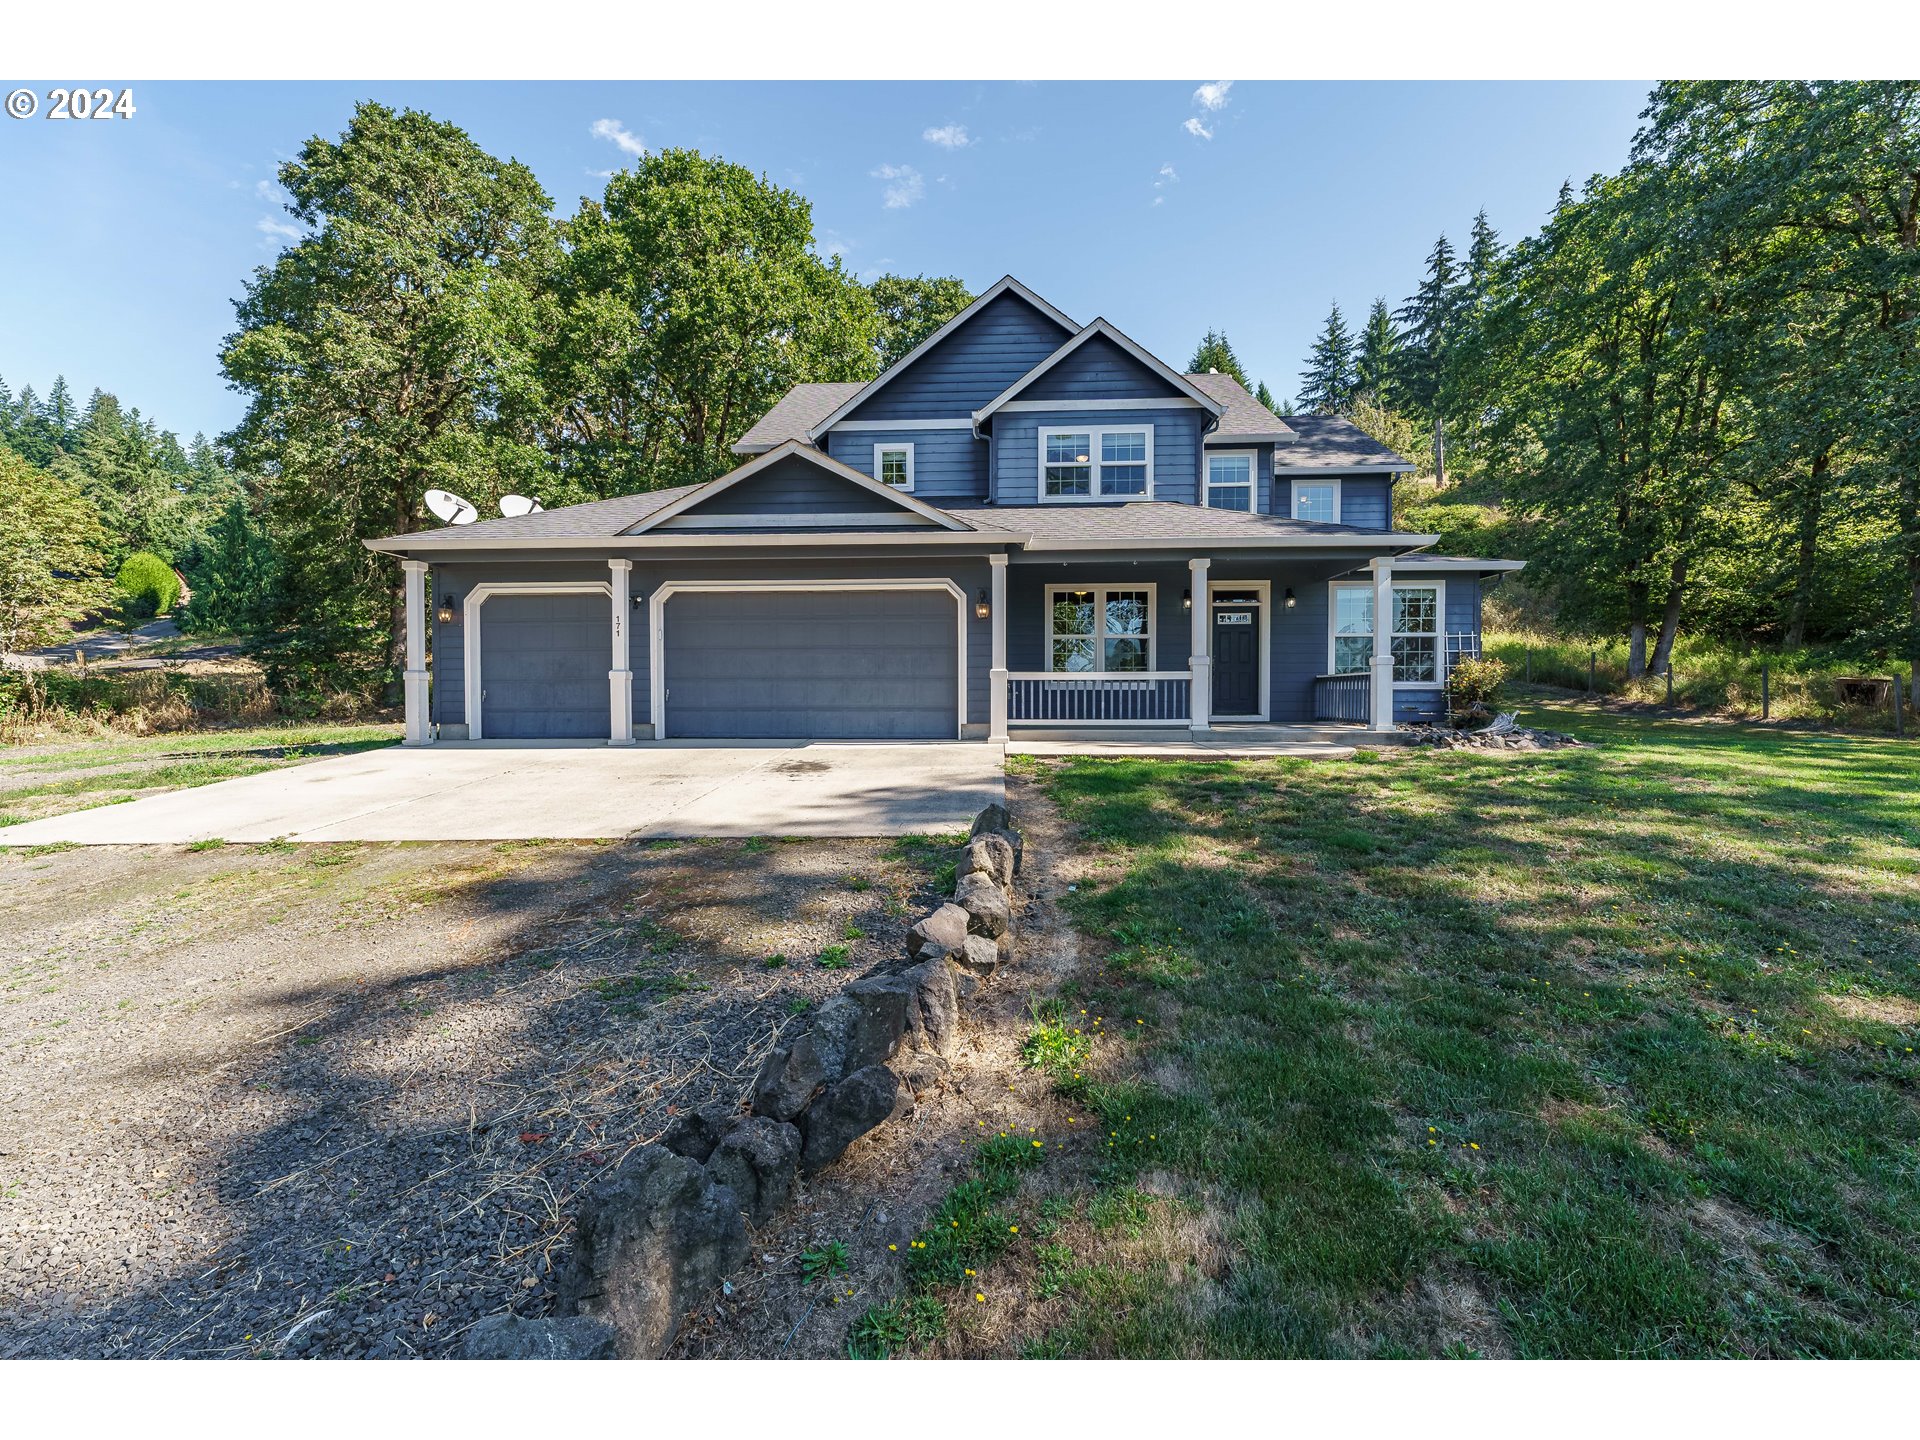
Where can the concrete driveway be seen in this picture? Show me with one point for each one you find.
(522, 791)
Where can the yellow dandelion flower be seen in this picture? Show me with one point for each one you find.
(893, 1247)
(978, 1296)
(1013, 1229)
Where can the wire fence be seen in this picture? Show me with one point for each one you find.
(1739, 687)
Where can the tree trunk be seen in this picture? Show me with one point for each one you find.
(1439, 454)
(1636, 649)
(1812, 501)
(1670, 617)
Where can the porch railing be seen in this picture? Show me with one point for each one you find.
(1341, 697)
(1138, 697)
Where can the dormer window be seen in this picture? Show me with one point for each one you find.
(893, 465)
(1097, 463)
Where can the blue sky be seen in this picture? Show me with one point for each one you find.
(1164, 207)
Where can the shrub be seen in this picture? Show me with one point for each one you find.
(147, 585)
(1475, 680)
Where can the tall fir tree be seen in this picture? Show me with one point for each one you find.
(1265, 396)
(1327, 386)
(1215, 352)
(1379, 356)
(1427, 322)
(1483, 259)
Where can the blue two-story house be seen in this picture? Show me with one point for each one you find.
(1025, 522)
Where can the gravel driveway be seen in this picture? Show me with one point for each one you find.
(334, 1100)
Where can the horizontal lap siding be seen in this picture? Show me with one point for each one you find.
(451, 580)
(1027, 608)
(970, 366)
(795, 486)
(1016, 449)
(1365, 500)
(1098, 370)
(947, 464)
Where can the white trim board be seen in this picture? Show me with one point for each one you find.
(657, 622)
(1163, 402)
(799, 520)
(470, 619)
(958, 422)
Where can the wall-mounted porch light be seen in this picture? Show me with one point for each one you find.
(1186, 599)
(981, 607)
(1290, 600)
(446, 613)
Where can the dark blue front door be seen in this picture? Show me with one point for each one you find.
(1236, 653)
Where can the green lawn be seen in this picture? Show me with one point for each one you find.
(41, 780)
(1595, 1052)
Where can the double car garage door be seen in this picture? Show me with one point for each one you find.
(801, 664)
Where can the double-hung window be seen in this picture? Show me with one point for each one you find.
(1317, 500)
(1096, 462)
(1230, 480)
(1093, 629)
(893, 465)
(1414, 638)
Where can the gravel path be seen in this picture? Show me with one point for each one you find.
(334, 1100)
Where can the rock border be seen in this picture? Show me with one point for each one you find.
(657, 1236)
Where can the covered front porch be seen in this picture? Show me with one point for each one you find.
(1239, 646)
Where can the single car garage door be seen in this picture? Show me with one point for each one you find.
(813, 664)
(543, 666)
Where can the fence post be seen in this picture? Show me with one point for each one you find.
(1593, 659)
(1899, 709)
(1766, 699)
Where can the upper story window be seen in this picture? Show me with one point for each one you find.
(1317, 500)
(1230, 480)
(1096, 463)
(893, 465)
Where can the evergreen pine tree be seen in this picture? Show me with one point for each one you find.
(1215, 352)
(59, 410)
(1427, 324)
(1265, 396)
(1379, 356)
(1483, 258)
(235, 577)
(1328, 385)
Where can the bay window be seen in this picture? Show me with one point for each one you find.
(1096, 462)
(1414, 637)
(1098, 628)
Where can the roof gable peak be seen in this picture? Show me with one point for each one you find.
(800, 450)
(1104, 328)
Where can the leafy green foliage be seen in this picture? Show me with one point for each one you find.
(147, 585)
(913, 308)
(1475, 680)
(823, 1262)
(51, 554)
(235, 577)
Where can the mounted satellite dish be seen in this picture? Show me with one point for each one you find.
(511, 505)
(451, 508)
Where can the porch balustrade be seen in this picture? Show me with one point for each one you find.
(1138, 697)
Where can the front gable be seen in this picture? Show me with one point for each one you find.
(795, 487)
(1099, 370)
(964, 366)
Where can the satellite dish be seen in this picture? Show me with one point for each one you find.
(451, 508)
(511, 505)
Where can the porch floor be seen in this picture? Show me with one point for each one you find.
(1223, 742)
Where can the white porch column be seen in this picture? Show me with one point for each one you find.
(1200, 657)
(1380, 709)
(620, 677)
(997, 676)
(414, 678)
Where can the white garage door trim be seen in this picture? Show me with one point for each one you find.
(657, 657)
(470, 617)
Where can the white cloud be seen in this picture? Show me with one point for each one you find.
(1159, 199)
(1196, 129)
(1167, 177)
(268, 189)
(904, 185)
(1212, 95)
(279, 229)
(614, 131)
(947, 137)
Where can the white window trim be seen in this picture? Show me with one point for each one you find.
(1094, 434)
(881, 448)
(1339, 500)
(1101, 589)
(1207, 487)
(1439, 587)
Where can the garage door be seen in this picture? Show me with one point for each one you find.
(543, 666)
(836, 664)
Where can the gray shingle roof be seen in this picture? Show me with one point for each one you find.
(1245, 415)
(1327, 440)
(1148, 520)
(584, 521)
(797, 412)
